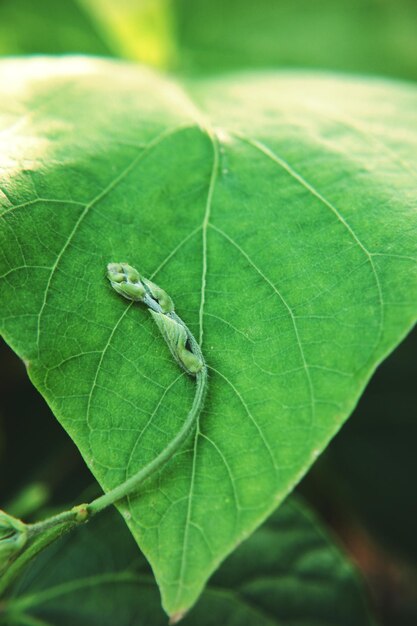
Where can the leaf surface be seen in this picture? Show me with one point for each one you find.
(261, 583)
(278, 211)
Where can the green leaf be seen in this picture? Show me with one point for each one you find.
(278, 211)
(132, 29)
(49, 27)
(137, 29)
(351, 35)
(289, 558)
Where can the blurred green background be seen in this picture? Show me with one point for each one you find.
(364, 485)
(367, 36)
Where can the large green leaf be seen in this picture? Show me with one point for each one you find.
(277, 210)
(259, 585)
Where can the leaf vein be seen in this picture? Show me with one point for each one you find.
(265, 150)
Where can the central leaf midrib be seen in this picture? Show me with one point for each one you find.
(213, 177)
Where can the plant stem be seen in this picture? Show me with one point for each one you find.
(64, 518)
(132, 483)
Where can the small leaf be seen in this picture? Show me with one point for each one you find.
(176, 337)
(277, 210)
(13, 537)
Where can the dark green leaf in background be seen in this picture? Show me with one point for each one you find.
(367, 36)
(48, 27)
(288, 573)
(380, 483)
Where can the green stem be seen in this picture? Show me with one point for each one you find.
(131, 484)
(128, 283)
(64, 518)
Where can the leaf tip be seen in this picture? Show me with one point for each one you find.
(176, 617)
